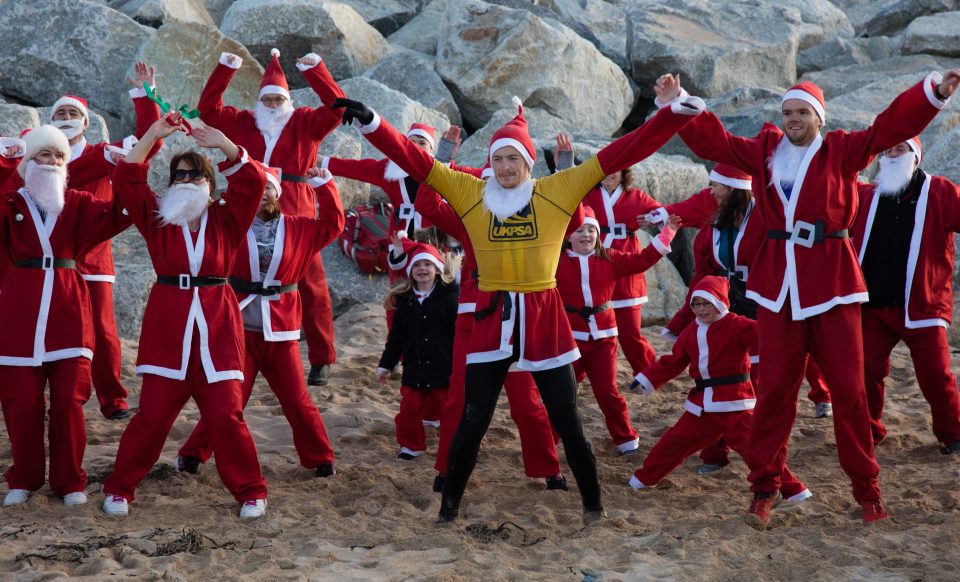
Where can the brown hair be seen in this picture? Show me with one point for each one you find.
(627, 179)
(450, 267)
(597, 247)
(196, 162)
(733, 210)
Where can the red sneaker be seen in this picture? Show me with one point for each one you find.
(758, 516)
(873, 511)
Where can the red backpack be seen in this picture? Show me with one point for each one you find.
(366, 237)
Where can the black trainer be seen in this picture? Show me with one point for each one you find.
(438, 483)
(448, 514)
(319, 375)
(406, 456)
(326, 470)
(188, 465)
(121, 414)
(557, 482)
(952, 448)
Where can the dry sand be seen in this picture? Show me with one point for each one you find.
(375, 519)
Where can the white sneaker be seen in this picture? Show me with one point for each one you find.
(16, 497)
(75, 498)
(115, 505)
(636, 483)
(823, 410)
(253, 508)
(802, 496)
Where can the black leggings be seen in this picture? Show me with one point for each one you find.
(558, 390)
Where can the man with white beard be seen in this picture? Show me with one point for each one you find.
(285, 137)
(805, 277)
(45, 317)
(911, 297)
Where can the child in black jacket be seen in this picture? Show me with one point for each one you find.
(425, 307)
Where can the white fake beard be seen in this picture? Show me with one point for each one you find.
(183, 203)
(70, 127)
(272, 121)
(785, 162)
(46, 186)
(894, 175)
(505, 202)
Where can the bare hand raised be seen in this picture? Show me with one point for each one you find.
(308, 60)
(564, 144)
(674, 222)
(142, 73)
(667, 87)
(951, 79)
(208, 137)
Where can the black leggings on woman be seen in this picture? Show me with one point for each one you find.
(558, 390)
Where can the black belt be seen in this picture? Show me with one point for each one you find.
(806, 234)
(47, 263)
(488, 311)
(721, 381)
(617, 231)
(586, 312)
(189, 282)
(251, 288)
(294, 178)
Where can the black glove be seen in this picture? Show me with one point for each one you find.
(353, 110)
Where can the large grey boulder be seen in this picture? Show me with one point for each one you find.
(821, 21)
(889, 17)
(345, 143)
(941, 157)
(838, 80)
(63, 44)
(937, 35)
(154, 13)
(488, 53)
(542, 126)
(334, 31)
(412, 74)
(16, 118)
(715, 50)
(387, 16)
(217, 8)
(601, 22)
(348, 285)
(838, 52)
(135, 277)
(422, 32)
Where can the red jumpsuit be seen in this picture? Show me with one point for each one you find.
(294, 151)
(191, 344)
(272, 348)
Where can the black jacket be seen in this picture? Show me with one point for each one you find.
(423, 333)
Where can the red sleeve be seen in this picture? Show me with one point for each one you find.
(670, 365)
(475, 172)
(133, 194)
(649, 137)
(368, 170)
(147, 114)
(433, 208)
(696, 211)
(102, 220)
(633, 263)
(330, 218)
(323, 120)
(949, 195)
(212, 110)
(397, 147)
(245, 185)
(90, 167)
(8, 167)
(708, 139)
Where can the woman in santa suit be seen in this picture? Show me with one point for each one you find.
(516, 225)
(192, 339)
(277, 252)
(586, 278)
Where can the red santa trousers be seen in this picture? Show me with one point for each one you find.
(317, 310)
(882, 329)
(105, 368)
(221, 407)
(636, 348)
(24, 409)
(598, 359)
(282, 367)
(818, 386)
(835, 341)
(411, 436)
(691, 433)
(537, 444)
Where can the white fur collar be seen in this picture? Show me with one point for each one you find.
(393, 172)
(505, 202)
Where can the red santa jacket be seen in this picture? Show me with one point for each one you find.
(929, 291)
(826, 274)
(172, 313)
(587, 282)
(714, 350)
(45, 312)
(696, 211)
(8, 165)
(298, 239)
(294, 149)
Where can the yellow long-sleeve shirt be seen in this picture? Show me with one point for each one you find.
(521, 252)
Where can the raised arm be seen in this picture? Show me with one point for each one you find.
(367, 170)
(323, 119)
(211, 107)
(11, 153)
(632, 263)
(330, 218)
(432, 207)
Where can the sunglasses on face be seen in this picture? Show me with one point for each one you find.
(187, 175)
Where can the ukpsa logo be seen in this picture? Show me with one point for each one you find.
(521, 226)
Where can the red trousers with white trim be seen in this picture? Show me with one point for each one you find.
(24, 408)
(409, 421)
(221, 408)
(105, 369)
(537, 443)
(598, 359)
(835, 341)
(882, 329)
(317, 310)
(691, 433)
(636, 348)
(281, 366)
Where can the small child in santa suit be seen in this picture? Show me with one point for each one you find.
(716, 347)
(425, 314)
(586, 277)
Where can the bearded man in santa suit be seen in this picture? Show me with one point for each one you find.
(904, 238)
(45, 316)
(285, 137)
(805, 276)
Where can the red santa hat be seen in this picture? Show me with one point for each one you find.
(78, 102)
(514, 134)
(36, 139)
(425, 131)
(809, 93)
(582, 215)
(914, 143)
(486, 172)
(274, 81)
(713, 289)
(423, 251)
(730, 176)
(273, 176)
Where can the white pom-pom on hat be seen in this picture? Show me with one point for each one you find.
(516, 101)
(274, 52)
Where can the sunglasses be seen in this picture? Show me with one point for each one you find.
(191, 175)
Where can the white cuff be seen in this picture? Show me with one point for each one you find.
(657, 244)
(324, 162)
(370, 127)
(320, 180)
(114, 149)
(237, 164)
(646, 387)
(223, 60)
(688, 106)
(754, 360)
(138, 92)
(934, 78)
(12, 142)
(668, 334)
(660, 104)
(382, 370)
(658, 215)
(304, 67)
